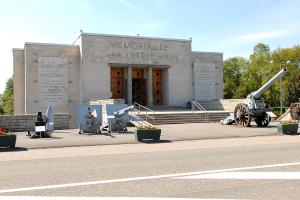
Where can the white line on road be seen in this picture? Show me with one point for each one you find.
(247, 175)
(142, 178)
(93, 198)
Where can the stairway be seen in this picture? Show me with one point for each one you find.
(186, 117)
(285, 116)
(221, 104)
(139, 122)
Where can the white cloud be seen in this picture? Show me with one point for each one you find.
(252, 37)
(262, 36)
(149, 28)
(151, 25)
(126, 3)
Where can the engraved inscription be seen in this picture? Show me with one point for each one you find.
(205, 81)
(53, 81)
(139, 50)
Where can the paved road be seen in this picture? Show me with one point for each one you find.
(235, 168)
(172, 132)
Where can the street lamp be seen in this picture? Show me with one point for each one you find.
(280, 86)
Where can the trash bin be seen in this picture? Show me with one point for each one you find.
(189, 105)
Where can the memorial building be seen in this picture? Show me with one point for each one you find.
(149, 71)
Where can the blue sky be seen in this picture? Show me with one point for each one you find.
(232, 26)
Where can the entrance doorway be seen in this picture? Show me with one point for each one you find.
(157, 86)
(117, 83)
(139, 87)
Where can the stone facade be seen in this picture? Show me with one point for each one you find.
(46, 74)
(101, 51)
(65, 76)
(208, 75)
(19, 81)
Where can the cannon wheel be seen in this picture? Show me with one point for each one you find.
(295, 111)
(263, 120)
(242, 115)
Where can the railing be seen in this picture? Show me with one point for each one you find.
(140, 109)
(196, 105)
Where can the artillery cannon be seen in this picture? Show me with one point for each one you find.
(254, 107)
(295, 110)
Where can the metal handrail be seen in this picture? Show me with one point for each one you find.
(200, 107)
(138, 107)
(135, 118)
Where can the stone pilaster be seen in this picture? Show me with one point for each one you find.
(129, 85)
(149, 87)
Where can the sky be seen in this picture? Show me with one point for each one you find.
(233, 27)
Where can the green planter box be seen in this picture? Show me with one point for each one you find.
(287, 128)
(8, 141)
(141, 134)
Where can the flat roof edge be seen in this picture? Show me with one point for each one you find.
(17, 49)
(135, 37)
(50, 44)
(203, 52)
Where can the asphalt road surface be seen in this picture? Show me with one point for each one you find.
(266, 167)
(170, 132)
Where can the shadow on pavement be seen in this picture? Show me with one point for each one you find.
(2, 149)
(125, 133)
(155, 141)
(46, 138)
(292, 134)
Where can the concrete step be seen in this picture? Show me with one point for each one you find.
(221, 104)
(181, 118)
(141, 123)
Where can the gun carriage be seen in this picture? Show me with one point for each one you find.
(254, 107)
(295, 110)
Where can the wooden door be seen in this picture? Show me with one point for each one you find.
(117, 82)
(138, 86)
(157, 86)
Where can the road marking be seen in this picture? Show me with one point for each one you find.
(143, 178)
(247, 175)
(92, 198)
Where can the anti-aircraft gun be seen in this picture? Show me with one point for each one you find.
(254, 107)
(120, 120)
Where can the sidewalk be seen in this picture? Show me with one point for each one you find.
(170, 132)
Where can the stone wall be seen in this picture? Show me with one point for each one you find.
(19, 81)
(26, 122)
(221, 104)
(52, 78)
(208, 75)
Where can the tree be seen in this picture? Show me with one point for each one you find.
(233, 69)
(261, 70)
(7, 99)
(243, 76)
(289, 58)
(1, 106)
(293, 88)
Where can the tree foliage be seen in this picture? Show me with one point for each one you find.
(293, 88)
(1, 106)
(243, 76)
(7, 99)
(233, 69)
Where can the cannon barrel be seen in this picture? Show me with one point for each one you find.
(268, 84)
